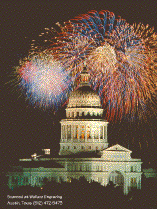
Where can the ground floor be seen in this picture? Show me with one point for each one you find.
(93, 169)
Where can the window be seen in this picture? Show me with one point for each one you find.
(74, 147)
(88, 132)
(68, 147)
(82, 132)
(87, 167)
(82, 147)
(133, 182)
(96, 133)
(72, 131)
(26, 179)
(99, 179)
(89, 147)
(135, 168)
(97, 168)
(76, 136)
(69, 131)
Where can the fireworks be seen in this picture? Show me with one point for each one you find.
(120, 57)
(44, 81)
(121, 63)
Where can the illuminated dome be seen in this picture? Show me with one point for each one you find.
(84, 102)
(84, 96)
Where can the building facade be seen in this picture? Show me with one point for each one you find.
(83, 151)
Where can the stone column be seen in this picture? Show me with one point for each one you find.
(99, 132)
(78, 133)
(71, 133)
(126, 183)
(92, 136)
(85, 133)
(139, 183)
(103, 134)
(61, 133)
(74, 139)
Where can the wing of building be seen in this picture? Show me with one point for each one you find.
(83, 151)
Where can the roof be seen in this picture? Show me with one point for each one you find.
(84, 96)
(118, 147)
(38, 163)
(91, 154)
(84, 90)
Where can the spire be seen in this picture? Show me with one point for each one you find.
(84, 80)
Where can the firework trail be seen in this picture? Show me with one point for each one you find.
(44, 80)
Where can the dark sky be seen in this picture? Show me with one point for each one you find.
(26, 129)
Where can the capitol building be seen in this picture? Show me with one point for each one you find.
(83, 150)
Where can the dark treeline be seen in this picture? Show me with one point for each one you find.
(82, 194)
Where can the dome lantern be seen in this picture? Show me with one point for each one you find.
(84, 80)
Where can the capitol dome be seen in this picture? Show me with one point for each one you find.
(84, 102)
(84, 97)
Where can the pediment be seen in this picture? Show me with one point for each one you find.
(118, 147)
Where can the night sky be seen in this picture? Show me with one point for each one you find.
(26, 129)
